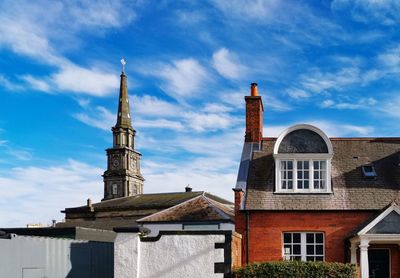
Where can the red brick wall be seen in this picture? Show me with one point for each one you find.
(266, 228)
(254, 117)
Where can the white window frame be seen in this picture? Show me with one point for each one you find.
(327, 157)
(302, 157)
(303, 244)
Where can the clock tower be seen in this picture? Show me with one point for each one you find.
(122, 177)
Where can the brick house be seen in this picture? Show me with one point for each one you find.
(305, 196)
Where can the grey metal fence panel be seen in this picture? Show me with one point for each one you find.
(42, 257)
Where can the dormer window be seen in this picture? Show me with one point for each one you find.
(369, 171)
(303, 161)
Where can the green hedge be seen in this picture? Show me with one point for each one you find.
(296, 269)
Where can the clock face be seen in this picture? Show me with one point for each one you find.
(115, 162)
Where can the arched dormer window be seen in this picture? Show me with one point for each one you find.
(303, 156)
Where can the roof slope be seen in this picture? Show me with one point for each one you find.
(123, 212)
(350, 190)
(200, 208)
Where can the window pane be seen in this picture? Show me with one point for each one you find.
(316, 184)
(323, 164)
(310, 249)
(319, 249)
(296, 249)
(306, 175)
(316, 175)
(283, 184)
(290, 164)
(322, 184)
(300, 184)
(319, 259)
(290, 175)
(299, 174)
(290, 185)
(306, 185)
(306, 165)
(310, 238)
(323, 175)
(319, 238)
(296, 237)
(310, 258)
(287, 238)
(283, 165)
(316, 165)
(299, 164)
(296, 258)
(284, 175)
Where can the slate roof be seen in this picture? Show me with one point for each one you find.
(123, 212)
(351, 191)
(198, 209)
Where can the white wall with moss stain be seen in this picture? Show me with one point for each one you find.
(172, 256)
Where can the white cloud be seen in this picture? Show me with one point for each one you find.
(227, 64)
(298, 93)
(361, 103)
(391, 58)
(152, 106)
(209, 121)
(36, 84)
(159, 123)
(27, 31)
(58, 186)
(385, 12)
(317, 81)
(332, 129)
(92, 81)
(100, 118)
(183, 78)
(9, 85)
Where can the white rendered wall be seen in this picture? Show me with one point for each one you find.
(171, 256)
(126, 255)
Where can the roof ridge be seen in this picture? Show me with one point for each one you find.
(219, 210)
(168, 209)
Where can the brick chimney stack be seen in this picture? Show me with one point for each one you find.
(254, 115)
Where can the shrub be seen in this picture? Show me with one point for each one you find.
(296, 269)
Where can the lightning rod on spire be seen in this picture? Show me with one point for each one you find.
(123, 62)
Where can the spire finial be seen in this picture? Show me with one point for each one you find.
(123, 62)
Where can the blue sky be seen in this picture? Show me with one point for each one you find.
(334, 64)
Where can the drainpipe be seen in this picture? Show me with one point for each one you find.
(247, 236)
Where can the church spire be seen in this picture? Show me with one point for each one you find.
(124, 114)
(122, 177)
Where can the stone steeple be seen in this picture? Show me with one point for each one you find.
(122, 177)
(124, 114)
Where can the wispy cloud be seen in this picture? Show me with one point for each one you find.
(27, 31)
(57, 186)
(37, 84)
(385, 12)
(227, 64)
(183, 78)
(91, 81)
(361, 103)
(9, 85)
(100, 117)
(331, 128)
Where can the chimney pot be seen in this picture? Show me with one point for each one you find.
(254, 89)
(89, 202)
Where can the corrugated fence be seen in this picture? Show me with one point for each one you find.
(42, 257)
